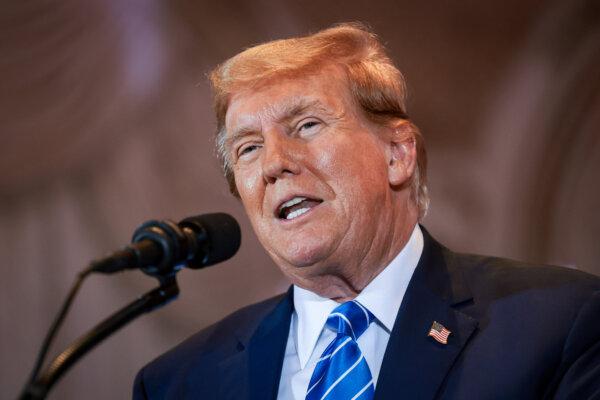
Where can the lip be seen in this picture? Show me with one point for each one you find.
(300, 217)
(290, 197)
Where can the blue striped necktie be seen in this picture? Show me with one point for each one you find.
(342, 372)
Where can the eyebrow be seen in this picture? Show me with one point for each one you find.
(282, 113)
(298, 107)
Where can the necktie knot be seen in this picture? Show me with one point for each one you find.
(350, 319)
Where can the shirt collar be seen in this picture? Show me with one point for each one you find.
(382, 296)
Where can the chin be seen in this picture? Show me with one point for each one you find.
(304, 256)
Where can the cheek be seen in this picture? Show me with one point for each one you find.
(333, 160)
(249, 186)
(356, 167)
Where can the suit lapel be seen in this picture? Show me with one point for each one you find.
(415, 365)
(254, 371)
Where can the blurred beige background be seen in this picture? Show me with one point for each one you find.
(105, 122)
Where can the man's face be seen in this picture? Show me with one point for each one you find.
(312, 173)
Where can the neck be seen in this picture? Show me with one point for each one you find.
(344, 282)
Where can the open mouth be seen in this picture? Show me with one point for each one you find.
(296, 207)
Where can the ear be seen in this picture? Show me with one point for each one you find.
(402, 154)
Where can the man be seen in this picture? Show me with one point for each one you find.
(316, 143)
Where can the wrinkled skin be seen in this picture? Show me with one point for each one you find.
(306, 137)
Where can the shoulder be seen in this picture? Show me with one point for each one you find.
(200, 354)
(534, 304)
(498, 277)
(218, 337)
(545, 316)
(511, 299)
(497, 282)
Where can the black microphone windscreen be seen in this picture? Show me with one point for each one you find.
(223, 237)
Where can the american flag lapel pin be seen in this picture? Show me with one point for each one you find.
(439, 333)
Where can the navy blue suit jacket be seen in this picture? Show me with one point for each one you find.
(518, 332)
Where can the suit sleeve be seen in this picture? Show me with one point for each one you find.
(139, 390)
(581, 355)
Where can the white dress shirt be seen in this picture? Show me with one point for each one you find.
(309, 336)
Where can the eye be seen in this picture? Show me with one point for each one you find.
(309, 126)
(247, 149)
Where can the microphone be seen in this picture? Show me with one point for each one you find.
(161, 248)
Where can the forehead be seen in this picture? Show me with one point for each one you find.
(284, 97)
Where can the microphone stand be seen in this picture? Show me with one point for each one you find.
(167, 291)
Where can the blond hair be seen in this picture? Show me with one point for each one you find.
(377, 86)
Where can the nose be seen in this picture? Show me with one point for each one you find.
(279, 157)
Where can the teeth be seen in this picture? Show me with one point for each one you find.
(292, 202)
(297, 213)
